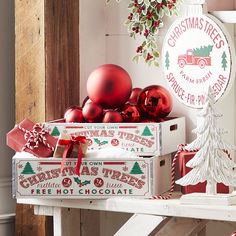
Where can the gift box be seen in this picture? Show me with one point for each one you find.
(184, 157)
(70, 146)
(33, 138)
(100, 177)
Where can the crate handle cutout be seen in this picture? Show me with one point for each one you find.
(173, 127)
(162, 162)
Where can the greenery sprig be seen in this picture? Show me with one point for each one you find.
(145, 19)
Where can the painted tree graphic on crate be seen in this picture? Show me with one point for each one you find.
(211, 162)
(28, 169)
(146, 132)
(55, 132)
(224, 61)
(136, 169)
(167, 60)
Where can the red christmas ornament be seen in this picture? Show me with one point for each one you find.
(134, 95)
(112, 117)
(92, 112)
(74, 114)
(109, 85)
(233, 234)
(130, 113)
(148, 120)
(155, 101)
(86, 100)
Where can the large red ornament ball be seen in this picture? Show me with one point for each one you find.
(155, 101)
(92, 112)
(233, 234)
(109, 85)
(130, 113)
(74, 114)
(134, 95)
(112, 117)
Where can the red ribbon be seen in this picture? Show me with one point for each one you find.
(69, 145)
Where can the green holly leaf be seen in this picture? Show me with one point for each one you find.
(77, 180)
(86, 182)
(96, 140)
(104, 142)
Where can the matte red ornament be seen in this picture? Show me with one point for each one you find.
(134, 95)
(74, 114)
(109, 85)
(92, 112)
(130, 113)
(155, 101)
(112, 117)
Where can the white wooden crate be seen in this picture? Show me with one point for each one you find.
(100, 177)
(144, 139)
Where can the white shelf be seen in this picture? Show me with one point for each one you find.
(225, 16)
(170, 207)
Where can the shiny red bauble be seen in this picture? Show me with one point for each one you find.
(233, 234)
(86, 100)
(155, 101)
(109, 85)
(130, 113)
(74, 114)
(134, 95)
(92, 112)
(112, 117)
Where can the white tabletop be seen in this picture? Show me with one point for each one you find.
(170, 207)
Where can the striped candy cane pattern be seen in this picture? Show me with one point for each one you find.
(35, 136)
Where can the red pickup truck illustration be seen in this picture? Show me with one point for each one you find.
(190, 58)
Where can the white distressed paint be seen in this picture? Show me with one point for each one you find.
(135, 225)
(171, 207)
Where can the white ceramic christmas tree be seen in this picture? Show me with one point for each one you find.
(211, 163)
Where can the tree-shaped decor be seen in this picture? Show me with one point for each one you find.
(146, 132)
(224, 60)
(28, 169)
(167, 60)
(211, 162)
(55, 132)
(136, 170)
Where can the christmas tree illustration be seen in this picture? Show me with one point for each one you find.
(28, 169)
(146, 132)
(55, 132)
(211, 162)
(136, 169)
(224, 61)
(167, 60)
(203, 51)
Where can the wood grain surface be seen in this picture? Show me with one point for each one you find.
(47, 75)
(62, 56)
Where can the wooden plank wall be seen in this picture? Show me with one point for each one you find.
(62, 56)
(47, 74)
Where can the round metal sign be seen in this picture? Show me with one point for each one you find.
(196, 54)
